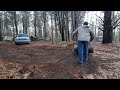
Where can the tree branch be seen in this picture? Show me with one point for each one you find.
(100, 18)
(100, 29)
(100, 23)
(116, 21)
(116, 25)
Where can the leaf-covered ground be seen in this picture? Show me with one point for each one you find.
(43, 60)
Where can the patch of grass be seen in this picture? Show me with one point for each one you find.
(63, 43)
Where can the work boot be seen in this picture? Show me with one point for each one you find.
(85, 60)
(79, 63)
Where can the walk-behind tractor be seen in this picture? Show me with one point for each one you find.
(90, 48)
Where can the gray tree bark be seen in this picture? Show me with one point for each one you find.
(56, 24)
(0, 29)
(52, 27)
(108, 31)
(44, 24)
(16, 23)
(35, 22)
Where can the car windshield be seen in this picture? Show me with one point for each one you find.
(22, 35)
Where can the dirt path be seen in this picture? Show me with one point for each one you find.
(43, 60)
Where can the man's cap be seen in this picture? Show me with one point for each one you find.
(85, 23)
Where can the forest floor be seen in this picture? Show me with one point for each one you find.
(43, 60)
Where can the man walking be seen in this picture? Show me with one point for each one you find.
(83, 36)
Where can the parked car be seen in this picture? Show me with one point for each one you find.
(22, 39)
(99, 38)
(7, 38)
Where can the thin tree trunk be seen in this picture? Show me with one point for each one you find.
(26, 23)
(72, 24)
(39, 29)
(63, 26)
(119, 34)
(95, 27)
(0, 29)
(67, 25)
(23, 24)
(114, 29)
(56, 30)
(16, 26)
(6, 23)
(52, 28)
(35, 22)
(13, 27)
(60, 23)
(75, 23)
(44, 27)
(67, 28)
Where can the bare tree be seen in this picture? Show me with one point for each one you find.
(15, 21)
(6, 22)
(52, 27)
(0, 28)
(39, 25)
(25, 21)
(67, 27)
(44, 24)
(56, 24)
(35, 22)
(108, 31)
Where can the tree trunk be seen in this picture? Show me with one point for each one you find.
(95, 27)
(62, 26)
(26, 29)
(35, 22)
(52, 28)
(13, 26)
(6, 22)
(55, 19)
(72, 24)
(39, 29)
(75, 19)
(114, 29)
(15, 19)
(23, 24)
(0, 29)
(26, 24)
(60, 22)
(119, 34)
(44, 26)
(67, 27)
(108, 32)
(75, 23)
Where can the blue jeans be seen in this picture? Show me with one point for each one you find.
(83, 51)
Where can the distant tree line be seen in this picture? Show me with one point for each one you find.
(55, 25)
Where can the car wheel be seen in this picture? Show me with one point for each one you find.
(16, 43)
(28, 43)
